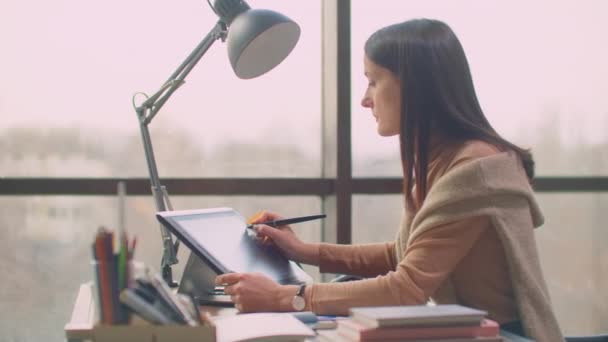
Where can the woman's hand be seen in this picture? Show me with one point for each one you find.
(255, 292)
(285, 239)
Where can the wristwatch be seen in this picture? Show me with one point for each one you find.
(298, 302)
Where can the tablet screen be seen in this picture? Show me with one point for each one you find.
(219, 236)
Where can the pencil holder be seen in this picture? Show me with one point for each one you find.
(84, 326)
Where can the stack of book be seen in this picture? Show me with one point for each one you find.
(445, 323)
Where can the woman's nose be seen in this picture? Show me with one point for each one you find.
(366, 102)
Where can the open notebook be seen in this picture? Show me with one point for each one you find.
(261, 327)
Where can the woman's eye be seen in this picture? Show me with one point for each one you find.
(371, 83)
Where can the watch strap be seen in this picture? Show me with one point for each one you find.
(301, 290)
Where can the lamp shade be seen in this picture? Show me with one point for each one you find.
(258, 40)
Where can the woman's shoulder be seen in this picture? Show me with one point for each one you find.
(455, 155)
(470, 151)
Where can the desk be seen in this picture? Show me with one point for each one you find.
(81, 324)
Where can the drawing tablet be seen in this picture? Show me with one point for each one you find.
(219, 238)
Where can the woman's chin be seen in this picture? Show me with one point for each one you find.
(383, 132)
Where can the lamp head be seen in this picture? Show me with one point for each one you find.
(258, 40)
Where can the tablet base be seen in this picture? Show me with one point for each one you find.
(200, 276)
(216, 300)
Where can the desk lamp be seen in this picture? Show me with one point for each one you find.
(257, 41)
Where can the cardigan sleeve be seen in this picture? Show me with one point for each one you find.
(366, 260)
(430, 258)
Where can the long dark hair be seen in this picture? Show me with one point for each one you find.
(437, 95)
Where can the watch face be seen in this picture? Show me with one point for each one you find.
(298, 303)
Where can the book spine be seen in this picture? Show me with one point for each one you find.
(351, 329)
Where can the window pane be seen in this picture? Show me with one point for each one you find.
(45, 254)
(572, 246)
(45, 249)
(74, 66)
(383, 225)
(541, 82)
(571, 243)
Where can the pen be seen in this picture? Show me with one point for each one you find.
(288, 221)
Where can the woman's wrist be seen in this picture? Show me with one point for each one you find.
(310, 253)
(285, 297)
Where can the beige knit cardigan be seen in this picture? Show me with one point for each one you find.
(495, 186)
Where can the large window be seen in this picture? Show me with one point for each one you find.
(280, 142)
(71, 68)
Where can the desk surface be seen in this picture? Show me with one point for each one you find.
(82, 321)
(81, 326)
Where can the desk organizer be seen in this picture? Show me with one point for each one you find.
(82, 326)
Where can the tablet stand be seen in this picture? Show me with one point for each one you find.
(202, 280)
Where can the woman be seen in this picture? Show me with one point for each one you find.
(467, 233)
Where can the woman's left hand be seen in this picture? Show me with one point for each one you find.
(255, 292)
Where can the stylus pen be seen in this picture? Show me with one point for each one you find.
(288, 221)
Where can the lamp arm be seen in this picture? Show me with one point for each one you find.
(145, 113)
(156, 101)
